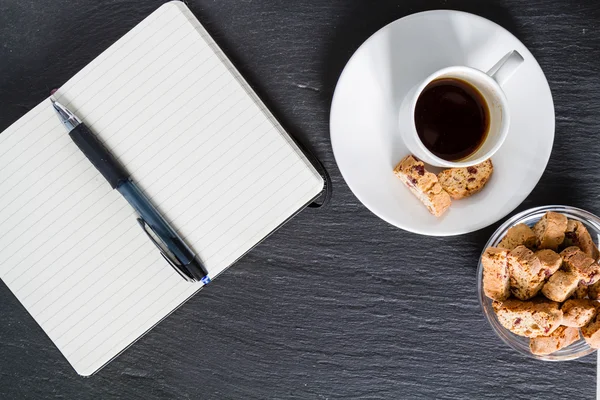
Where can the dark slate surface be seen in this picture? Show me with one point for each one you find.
(337, 304)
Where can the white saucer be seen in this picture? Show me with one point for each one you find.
(364, 118)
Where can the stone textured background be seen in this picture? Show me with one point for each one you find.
(337, 304)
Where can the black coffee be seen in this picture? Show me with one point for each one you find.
(452, 118)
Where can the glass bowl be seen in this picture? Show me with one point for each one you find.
(520, 343)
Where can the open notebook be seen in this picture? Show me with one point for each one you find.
(195, 138)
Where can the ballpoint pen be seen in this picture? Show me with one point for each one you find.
(171, 245)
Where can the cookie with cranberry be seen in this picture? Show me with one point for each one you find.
(423, 184)
(466, 181)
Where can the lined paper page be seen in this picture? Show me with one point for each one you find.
(194, 137)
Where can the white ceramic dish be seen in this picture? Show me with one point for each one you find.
(364, 118)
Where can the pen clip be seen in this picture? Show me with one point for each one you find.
(164, 251)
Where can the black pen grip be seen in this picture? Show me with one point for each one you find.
(99, 155)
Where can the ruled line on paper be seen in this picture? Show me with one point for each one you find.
(67, 240)
(124, 284)
(286, 194)
(165, 293)
(250, 184)
(206, 193)
(197, 141)
(238, 77)
(88, 182)
(122, 97)
(58, 217)
(47, 285)
(76, 79)
(153, 317)
(75, 152)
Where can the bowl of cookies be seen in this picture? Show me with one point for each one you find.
(539, 282)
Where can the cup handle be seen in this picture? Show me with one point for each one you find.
(506, 67)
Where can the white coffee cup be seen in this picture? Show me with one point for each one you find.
(489, 85)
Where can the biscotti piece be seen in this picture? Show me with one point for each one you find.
(578, 312)
(539, 317)
(526, 274)
(591, 332)
(577, 261)
(551, 261)
(561, 286)
(594, 291)
(577, 235)
(496, 280)
(582, 291)
(550, 230)
(518, 235)
(465, 182)
(560, 338)
(423, 184)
